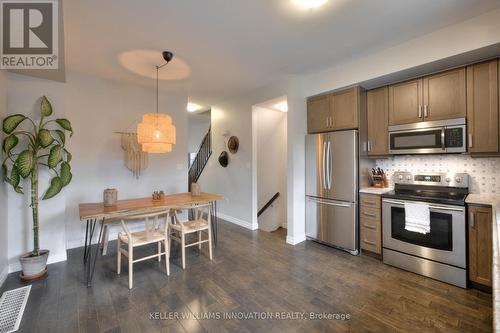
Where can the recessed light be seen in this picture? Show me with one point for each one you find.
(192, 107)
(282, 106)
(310, 3)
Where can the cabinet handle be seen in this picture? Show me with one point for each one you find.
(471, 221)
(470, 140)
(426, 111)
(369, 226)
(369, 146)
(331, 121)
(369, 215)
(327, 122)
(420, 111)
(368, 242)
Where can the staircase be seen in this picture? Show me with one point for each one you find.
(201, 159)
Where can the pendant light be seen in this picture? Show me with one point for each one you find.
(156, 133)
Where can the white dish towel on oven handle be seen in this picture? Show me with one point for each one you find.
(417, 217)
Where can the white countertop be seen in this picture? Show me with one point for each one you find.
(375, 190)
(492, 200)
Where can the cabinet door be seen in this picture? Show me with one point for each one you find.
(444, 95)
(344, 106)
(480, 244)
(405, 102)
(482, 107)
(318, 114)
(378, 116)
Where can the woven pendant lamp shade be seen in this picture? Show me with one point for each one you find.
(156, 133)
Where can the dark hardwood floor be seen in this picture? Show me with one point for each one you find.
(251, 271)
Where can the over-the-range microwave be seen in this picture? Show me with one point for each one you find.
(428, 137)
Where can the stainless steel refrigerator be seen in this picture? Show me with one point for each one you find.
(332, 189)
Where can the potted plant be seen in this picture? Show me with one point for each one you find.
(26, 149)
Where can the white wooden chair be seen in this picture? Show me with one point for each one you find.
(180, 228)
(154, 232)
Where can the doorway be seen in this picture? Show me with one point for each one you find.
(269, 132)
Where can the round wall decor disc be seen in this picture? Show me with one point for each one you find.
(233, 144)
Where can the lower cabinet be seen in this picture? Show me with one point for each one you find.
(480, 244)
(370, 221)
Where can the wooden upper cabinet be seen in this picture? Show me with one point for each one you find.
(336, 111)
(378, 115)
(480, 244)
(445, 95)
(405, 102)
(344, 107)
(318, 114)
(482, 107)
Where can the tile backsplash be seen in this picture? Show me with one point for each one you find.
(484, 172)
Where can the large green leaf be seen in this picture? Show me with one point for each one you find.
(55, 187)
(11, 122)
(25, 163)
(65, 124)
(55, 156)
(68, 156)
(45, 107)
(10, 142)
(62, 137)
(65, 173)
(14, 179)
(44, 138)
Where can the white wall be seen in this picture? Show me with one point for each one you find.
(96, 108)
(271, 166)
(3, 189)
(472, 34)
(238, 182)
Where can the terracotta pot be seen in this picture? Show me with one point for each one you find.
(34, 266)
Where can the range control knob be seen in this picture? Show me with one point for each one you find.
(400, 177)
(408, 177)
(458, 179)
(448, 179)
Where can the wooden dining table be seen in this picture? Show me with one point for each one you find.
(96, 214)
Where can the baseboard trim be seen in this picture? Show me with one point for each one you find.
(295, 240)
(3, 275)
(53, 258)
(241, 223)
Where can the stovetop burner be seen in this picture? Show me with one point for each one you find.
(435, 188)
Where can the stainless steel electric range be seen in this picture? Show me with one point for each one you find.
(441, 253)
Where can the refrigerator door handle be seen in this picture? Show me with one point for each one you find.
(329, 166)
(323, 166)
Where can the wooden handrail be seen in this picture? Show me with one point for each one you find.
(269, 203)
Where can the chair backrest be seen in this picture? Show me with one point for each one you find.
(152, 220)
(199, 209)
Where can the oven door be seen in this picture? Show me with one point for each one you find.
(417, 141)
(445, 243)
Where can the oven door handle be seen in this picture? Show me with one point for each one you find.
(443, 144)
(397, 202)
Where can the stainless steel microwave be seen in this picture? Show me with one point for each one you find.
(428, 137)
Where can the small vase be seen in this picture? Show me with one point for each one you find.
(195, 189)
(110, 196)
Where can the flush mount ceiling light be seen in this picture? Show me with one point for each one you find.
(282, 106)
(310, 3)
(156, 133)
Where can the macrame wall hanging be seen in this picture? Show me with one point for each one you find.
(134, 158)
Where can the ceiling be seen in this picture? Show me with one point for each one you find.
(231, 47)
